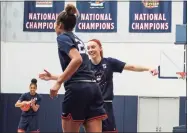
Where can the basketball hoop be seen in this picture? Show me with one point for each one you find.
(182, 75)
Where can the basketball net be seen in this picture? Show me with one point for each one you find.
(181, 75)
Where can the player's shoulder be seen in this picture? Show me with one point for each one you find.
(26, 94)
(111, 59)
(104, 60)
(108, 59)
(63, 38)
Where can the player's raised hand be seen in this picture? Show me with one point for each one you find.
(45, 76)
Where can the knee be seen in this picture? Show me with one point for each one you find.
(20, 131)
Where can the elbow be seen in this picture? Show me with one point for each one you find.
(79, 61)
(36, 109)
(16, 105)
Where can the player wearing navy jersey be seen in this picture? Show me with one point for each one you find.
(83, 102)
(104, 69)
(29, 119)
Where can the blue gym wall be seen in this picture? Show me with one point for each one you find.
(183, 111)
(50, 113)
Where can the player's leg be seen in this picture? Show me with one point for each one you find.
(95, 111)
(73, 114)
(109, 125)
(69, 125)
(21, 131)
(93, 126)
(23, 124)
(33, 124)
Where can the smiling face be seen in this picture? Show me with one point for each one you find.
(94, 50)
(33, 89)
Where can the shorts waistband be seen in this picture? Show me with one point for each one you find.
(89, 81)
(108, 101)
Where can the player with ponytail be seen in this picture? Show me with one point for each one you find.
(104, 69)
(83, 102)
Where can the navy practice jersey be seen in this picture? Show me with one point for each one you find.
(28, 97)
(66, 42)
(104, 75)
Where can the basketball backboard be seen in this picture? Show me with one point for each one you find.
(173, 60)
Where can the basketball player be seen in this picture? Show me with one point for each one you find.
(83, 102)
(104, 69)
(29, 119)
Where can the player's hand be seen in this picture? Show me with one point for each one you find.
(54, 90)
(29, 102)
(45, 76)
(25, 102)
(33, 102)
(153, 72)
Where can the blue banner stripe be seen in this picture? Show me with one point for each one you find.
(97, 16)
(150, 16)
(40, 16)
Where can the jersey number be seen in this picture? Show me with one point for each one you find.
(81, 47)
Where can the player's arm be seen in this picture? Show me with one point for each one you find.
(69, 48)
(36, 106)
(135, 68)
(76, 61)
(119, 66)
(48, 76)
(21, 101)
(53, 77)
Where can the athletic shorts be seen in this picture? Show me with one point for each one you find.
(83, 102)
(109, 124)
(28, 123)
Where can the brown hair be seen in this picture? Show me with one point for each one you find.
(99, 44)
(68, 17)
